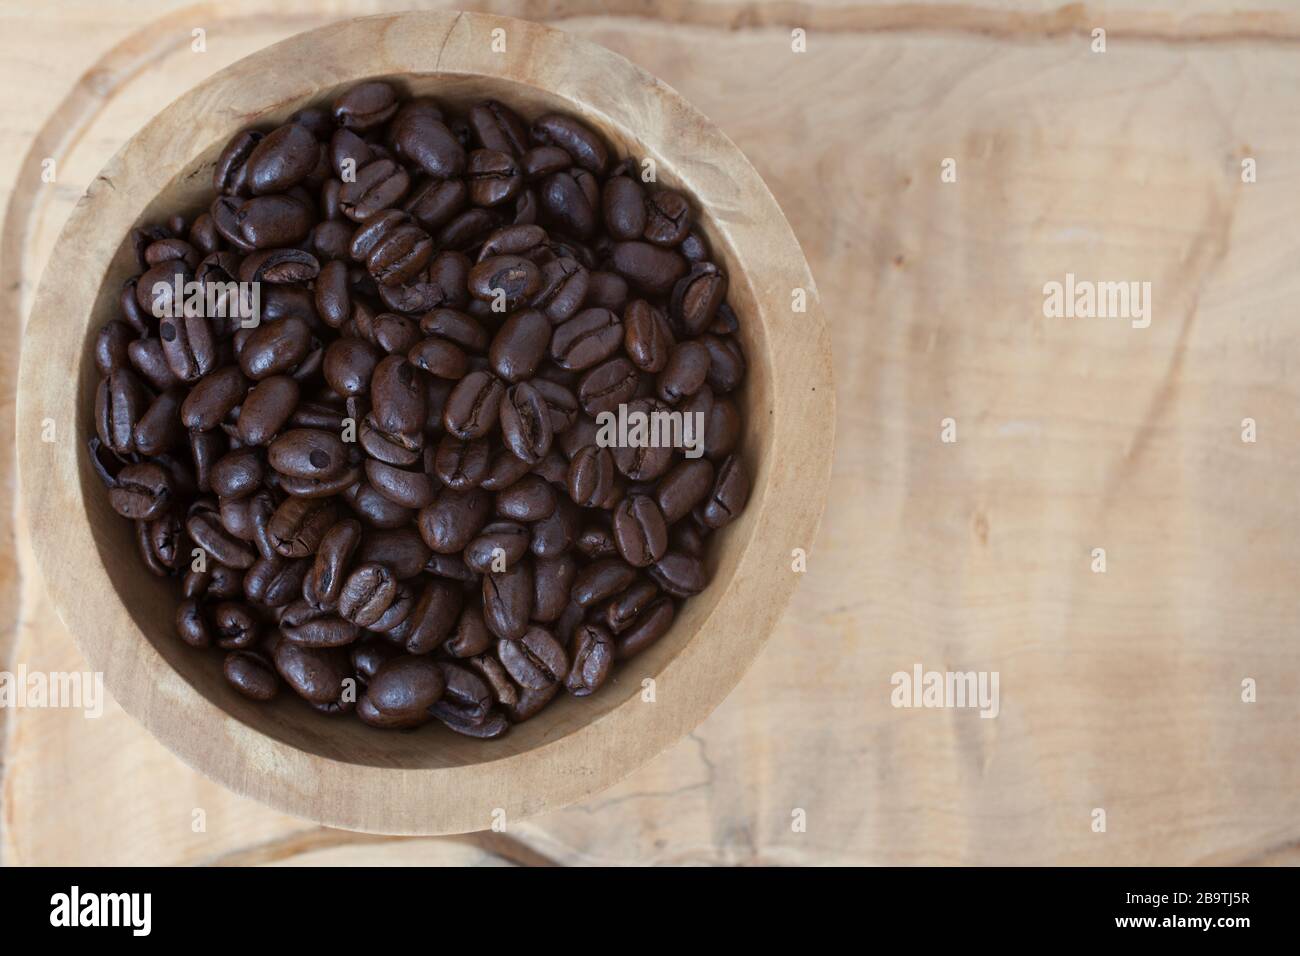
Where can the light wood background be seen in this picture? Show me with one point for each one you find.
(1120, 691)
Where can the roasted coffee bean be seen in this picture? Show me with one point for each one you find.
(531, 498)
(274, 348)
(535, 659)
(266, 409)
(601, 579)
(508, 600)
(640, 531)
(142, 492)
(685, 373)
(729, 495)
(251, 675)
(647, 339)
(451, 522)
(586, 148)
(652, 624)
(473, 407)
(556, 533)
(684, 487)
(333, 555)
(401, 550)
(368, 592)
(587, 339)
(552, 580)
(526, 425)
(668, 218)
(697, 296)
(591, 476)
(401, 693)
(607, 386)
(308, 453)
(520, 345)
(120, 402)
(652, 269)
(314, 673)
(448, 401)
(494, 177)
(281, 160)
(238, 474)
(593, 658)
(624, 207)
(159, 428)
(299, 525)
(681, 575)
(440, 357)
(192, 624)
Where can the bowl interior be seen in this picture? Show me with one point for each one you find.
(151, 601)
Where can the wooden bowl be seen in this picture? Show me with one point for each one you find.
(340, 772)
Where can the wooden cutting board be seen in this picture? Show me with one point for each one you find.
(1119, 691)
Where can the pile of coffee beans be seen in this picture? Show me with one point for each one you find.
(355, 408)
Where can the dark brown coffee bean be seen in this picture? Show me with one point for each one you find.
(238, 474)
(499, 128)
(159, 428)
(552, 580)
(379, 185)
(556, 533)
(729, 495)
(400, 255)
(562, 289)
(508, 600)
(142, 492)
(308, 453)
(366, 105)
(401, 693)
(652, 269)
(535, 659)
(653, 624)
(601, 579)
(324, 583)
(607, 386)
(668, 218)
(726, 363)
(410, 489)
(251, 675)
(434, 617)
(529, 499)
(473, 407)
(520, 345)
(623, 203)
(647, 337)
(624, 608)
(587, 339)
(493, 177)
(299, 525)
(425, 140)
(697, 296)
(451, 522)
(440, 357)
(120, 402)
(640, 531)
(498, 546)
(316, 674)
(322, 631)
(681, 575)
(368, 592)
(471, 636)
(230, 175)
(266, 409)
(526, 425)
(401, 550)
(593, 658)
(275, 348)
(586, 148)
(591, 476)
(685, 373)
(684, 487)
(192, 624)
(188, 346)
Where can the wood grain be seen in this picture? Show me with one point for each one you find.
(1120, 690)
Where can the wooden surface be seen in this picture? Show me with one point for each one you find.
(1119, 691)
(434, 781)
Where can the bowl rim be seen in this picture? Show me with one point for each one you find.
(590, 758)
